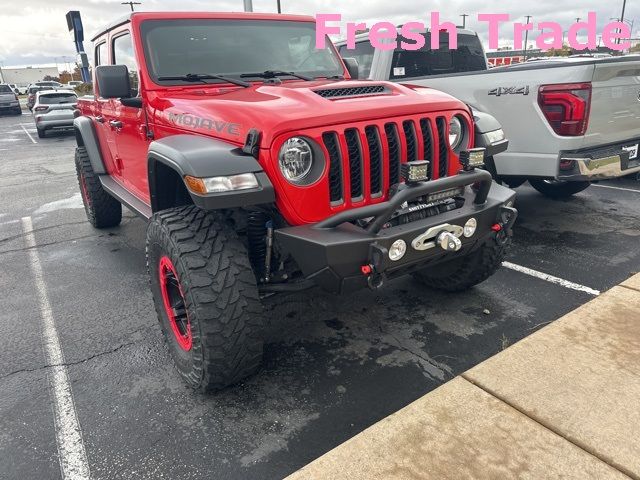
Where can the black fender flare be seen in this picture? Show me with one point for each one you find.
(485, 123)
(205, 157)
(86, 137)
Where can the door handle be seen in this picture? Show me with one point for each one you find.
(115, 124)
(100, 119)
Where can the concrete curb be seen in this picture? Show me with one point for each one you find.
(563, 402)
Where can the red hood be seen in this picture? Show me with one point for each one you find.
(230, 112)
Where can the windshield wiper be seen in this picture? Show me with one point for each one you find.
(275, 74)
(201, 77)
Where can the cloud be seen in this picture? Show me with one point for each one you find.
(37, 33)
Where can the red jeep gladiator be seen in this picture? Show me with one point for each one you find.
(262, 165)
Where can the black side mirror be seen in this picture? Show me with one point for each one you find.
(352, 67)
(113, 81)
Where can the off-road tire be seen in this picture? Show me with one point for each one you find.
(103, 211)
(464, 272)
(41, 133)
(558, 189)
(220, 297)
(18, 111)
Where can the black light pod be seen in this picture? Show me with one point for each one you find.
(472, 158)
(416, 171)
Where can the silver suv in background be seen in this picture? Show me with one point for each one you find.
(54, 110)
(9, 100)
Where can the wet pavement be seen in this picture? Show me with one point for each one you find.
(333, 366)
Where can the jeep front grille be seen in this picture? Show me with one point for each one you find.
(361, 158)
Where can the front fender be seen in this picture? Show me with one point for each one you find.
(485, 123)
(205, 157)
(86, 137)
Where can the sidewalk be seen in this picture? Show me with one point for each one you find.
(563, 402)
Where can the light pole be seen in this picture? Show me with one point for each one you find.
(630, 23)
(279, 7)
(248, 5)
(526, 38)
(464, 20)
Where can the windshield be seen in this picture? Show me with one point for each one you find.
(5, 89)
(233, 47)
(56, 99)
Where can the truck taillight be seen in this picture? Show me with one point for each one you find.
(566, 107)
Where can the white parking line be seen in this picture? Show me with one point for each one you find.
(550, 278)
(28, 134)
(617, 188)
(71, 452)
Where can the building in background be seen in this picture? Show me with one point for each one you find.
(24, 76)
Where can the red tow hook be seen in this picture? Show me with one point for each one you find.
(496, 228)
(366, 270)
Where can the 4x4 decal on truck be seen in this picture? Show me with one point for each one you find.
(194, 121)
(509, 91)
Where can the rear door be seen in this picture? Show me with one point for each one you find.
(615, 104)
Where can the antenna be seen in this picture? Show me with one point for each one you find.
(131, 4)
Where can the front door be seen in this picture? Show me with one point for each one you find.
(128, 124)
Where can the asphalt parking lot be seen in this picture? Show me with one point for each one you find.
(333, 366)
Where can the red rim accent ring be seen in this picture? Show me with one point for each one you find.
(174, 303)
(85, 190)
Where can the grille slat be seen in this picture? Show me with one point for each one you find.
(427, 141)
(351, 91)
(412, 141)
(330, 140)
(355, 162)
(443, 150)
(375, 160)
(393, 143)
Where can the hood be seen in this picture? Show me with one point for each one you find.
(230, 112)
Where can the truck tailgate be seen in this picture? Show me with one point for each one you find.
(615, 103)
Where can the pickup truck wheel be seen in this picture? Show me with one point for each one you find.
(464, 272)
(41, 133)
(558, 188)
(206, 297)
(103, 211)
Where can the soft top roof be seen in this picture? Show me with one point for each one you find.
(141, 16)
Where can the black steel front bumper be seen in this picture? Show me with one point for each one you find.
(333, 252)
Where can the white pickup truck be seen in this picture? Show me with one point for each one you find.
(569, 121)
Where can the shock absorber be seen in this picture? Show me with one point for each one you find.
(257, 239)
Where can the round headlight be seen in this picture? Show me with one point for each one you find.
(455, 132)
(397, 250)
(295, 159)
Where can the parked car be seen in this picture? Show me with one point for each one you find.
(47, 83)
(31, 95)
(284, 175)
(9, 100)
(73, 84)
(569, 121)
(54, 110)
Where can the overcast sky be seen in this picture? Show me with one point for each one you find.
(34, 32)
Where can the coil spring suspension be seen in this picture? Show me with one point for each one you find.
(259, 236)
